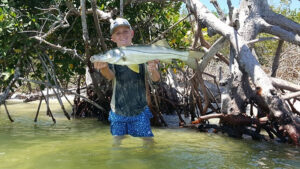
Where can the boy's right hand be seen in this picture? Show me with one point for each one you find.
(104, 69)
(100, 65)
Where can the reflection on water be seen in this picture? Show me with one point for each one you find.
(86, 143)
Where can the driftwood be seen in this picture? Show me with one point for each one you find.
(253, 17)
(244, 64)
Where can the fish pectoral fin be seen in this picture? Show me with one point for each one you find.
(162, 43)
(134, 68)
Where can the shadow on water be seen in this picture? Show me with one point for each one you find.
(87, 143)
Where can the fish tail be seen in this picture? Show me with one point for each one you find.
(192, 63)
(196, 54)
(193, 58)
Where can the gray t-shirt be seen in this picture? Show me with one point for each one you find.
(129, 91)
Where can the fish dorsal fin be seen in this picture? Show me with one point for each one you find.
(134, 68)
(162, 43)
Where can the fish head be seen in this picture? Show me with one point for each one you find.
(108, 57)
(112, 56)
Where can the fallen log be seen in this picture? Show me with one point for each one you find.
(229, 122)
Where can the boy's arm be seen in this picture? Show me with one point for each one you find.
(104, 69)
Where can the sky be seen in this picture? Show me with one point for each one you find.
(295, 4)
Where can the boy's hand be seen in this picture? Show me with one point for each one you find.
(104, 69)
(152, 65)
(100, 65)
(152, 69)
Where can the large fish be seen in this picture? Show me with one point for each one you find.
(133, 55)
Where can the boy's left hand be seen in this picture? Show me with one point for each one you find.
(152, 65)
(152, 69)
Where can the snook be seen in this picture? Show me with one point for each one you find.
(141, 54)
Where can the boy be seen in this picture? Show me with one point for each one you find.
(130, 113)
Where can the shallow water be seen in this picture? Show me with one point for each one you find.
(87, 144)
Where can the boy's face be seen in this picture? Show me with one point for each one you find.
(122, 36)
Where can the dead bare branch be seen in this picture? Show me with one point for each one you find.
(280, 32)
(166, 31)
(38, 110)
(121, 8)
(7, 112)
(219, 10)
(60, 48)
(285, 85)
(4, 95)
(230, 7)
(211, 53)
(97, 25)
(204, 92)
(291, 95)
(281, 21)
(262, 39)
(142, 1)
(103, 15)
(47, 9)
(65, 90)
(275, 64)
(205, 44)
(197, 35)
(61, 24)
(71, 7)
(84, 26)
(70, 28)
(52, 76)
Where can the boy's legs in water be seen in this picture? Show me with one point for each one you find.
(117, 140)
(148, 141)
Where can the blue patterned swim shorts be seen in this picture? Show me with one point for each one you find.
(136, 126)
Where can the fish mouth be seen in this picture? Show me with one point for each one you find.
(92, 59)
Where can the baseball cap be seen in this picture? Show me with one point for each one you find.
(119, 22)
